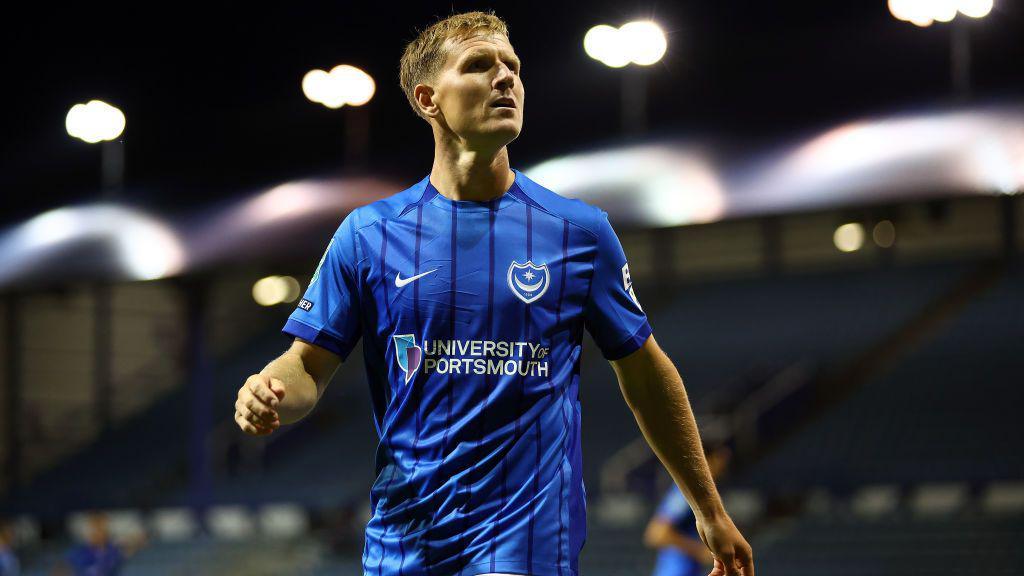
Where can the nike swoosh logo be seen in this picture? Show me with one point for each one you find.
(399, 281)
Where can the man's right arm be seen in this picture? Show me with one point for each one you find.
(286, 390)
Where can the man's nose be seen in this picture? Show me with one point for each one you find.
(505, 78)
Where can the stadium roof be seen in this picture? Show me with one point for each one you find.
(975, 151)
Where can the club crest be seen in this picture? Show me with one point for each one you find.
(528, 281)
(408, 354)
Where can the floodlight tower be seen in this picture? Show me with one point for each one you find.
(97, 122)
(641, 43)
(924, 13)
(343, 85)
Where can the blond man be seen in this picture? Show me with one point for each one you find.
(471, 290)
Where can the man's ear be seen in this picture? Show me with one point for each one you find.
(425, 100)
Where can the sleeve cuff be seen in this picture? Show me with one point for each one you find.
(631, 344)
(320, 338)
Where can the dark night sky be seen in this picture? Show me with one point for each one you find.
(214, 106)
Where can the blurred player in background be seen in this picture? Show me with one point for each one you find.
(9, 565)
(470, 291)
(99, 555)
(673, 529)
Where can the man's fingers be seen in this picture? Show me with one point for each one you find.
(260, 409)
(277, 387)
(746, 559)
(260, 389)
(245, 425)
(256, 412)
(250, 428)
(729, 561)
(718, 569)
(253, 417)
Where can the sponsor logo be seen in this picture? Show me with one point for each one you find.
(408, 354)
(305, 305)
(500, 357)
(399, 281)
(627, 284)
(528, 281)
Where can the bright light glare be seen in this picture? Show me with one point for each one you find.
(849, 237)
(943, 10)
(641, 42)
(666, 186)
(901, 9)
(274, 290)
(924, 12)
(976, 151)
(603, 43)
(145, 247)
(315, 85)
(343, 85)
(354, 85)
(94, 122)
(644, 41)
(975, 8)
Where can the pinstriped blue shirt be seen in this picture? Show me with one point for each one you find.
(472, 316)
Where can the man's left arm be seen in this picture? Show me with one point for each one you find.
(654, 391)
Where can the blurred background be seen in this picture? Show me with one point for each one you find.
(820, 202)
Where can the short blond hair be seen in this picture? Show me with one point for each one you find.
(425, 56)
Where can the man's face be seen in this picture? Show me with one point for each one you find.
(479, 91)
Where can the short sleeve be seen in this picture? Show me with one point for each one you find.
(614, 317)
(328, 313)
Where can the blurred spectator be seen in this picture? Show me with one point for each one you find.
(673, 529)
(99, 555)
(9, 565)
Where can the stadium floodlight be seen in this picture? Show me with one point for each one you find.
(343, 85)
(644, 40)
(943, 10)
(603, 43)
(924, 12)
(94, 122)
(641, 42)
(849, 237)
(274, 290)
(975, 8)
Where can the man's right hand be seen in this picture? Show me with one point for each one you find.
(256, 406)
(732, 554)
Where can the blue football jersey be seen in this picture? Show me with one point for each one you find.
(472, 317)
(675, 510)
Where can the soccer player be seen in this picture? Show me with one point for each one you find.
(673, 529)
(99, 555)
(471, 290)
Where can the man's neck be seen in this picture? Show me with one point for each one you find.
(470, 175)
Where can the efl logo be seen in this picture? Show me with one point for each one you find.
(305, 305)
(627, 284)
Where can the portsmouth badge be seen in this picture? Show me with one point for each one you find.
(528, 281)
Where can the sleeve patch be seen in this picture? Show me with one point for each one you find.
(627, 284)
